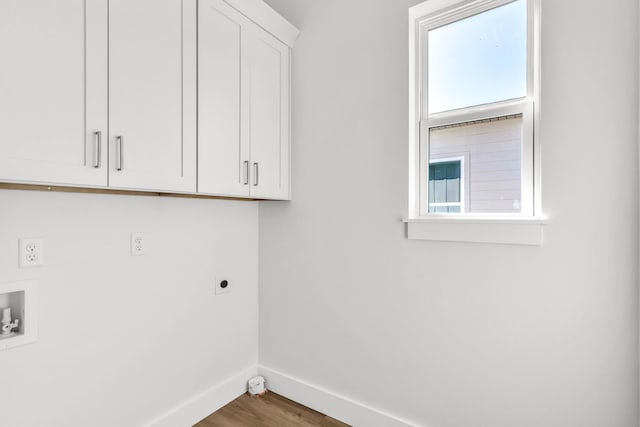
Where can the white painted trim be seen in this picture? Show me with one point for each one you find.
(524, 231)
(267, 18)
(441, 12)
(330, 403)
(476, 219)
(204, 404)
(478, 112)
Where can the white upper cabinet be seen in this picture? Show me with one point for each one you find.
(266, 97)
(53, 91)
(223, 158)
(176, 96)
(152, 94)
(243, 106)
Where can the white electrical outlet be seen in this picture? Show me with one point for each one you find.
(31, 252)
(138, 244)
(223, 285)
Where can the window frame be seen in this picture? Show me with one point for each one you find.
(437, 13)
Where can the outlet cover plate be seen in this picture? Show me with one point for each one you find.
(138, 244)
(31, 253)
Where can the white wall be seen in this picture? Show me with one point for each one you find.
(448, 334)
(123, 340)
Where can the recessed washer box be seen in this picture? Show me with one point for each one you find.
(21, 297)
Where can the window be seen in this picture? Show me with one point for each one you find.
(473, 97)
(445, 185)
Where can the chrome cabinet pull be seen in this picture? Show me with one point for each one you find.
(119, 153)
(246, 172)
(97, 149)
(256, 172)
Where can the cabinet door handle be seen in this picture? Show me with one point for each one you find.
(256, 173)
(119, 152)
(246, 172)
(97, 149)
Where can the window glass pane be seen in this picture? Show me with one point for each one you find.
(440, 191)
(453, 170)
(444, 186)
(478, 60)
(453, 190)
(432, 191)
(492, 165)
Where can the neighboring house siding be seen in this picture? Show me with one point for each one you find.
(492, 156)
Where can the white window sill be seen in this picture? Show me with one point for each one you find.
(506, 231)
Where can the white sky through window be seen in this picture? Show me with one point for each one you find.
(478, 60)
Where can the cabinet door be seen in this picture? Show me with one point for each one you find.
(223, 159)
(53, 91)
(152, 94)
(266, 79)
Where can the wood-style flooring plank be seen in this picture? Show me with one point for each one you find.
(270, 410)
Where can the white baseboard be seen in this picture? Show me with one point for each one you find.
(200, 406)
(328, 402)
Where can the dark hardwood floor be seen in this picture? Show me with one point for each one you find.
(270, 410)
